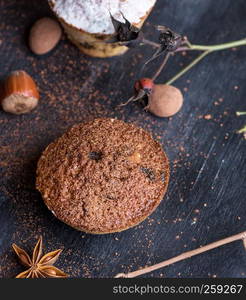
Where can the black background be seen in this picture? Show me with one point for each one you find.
(206, 196)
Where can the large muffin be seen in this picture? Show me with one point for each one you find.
(88, 23)
(103, 176)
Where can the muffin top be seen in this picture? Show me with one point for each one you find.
(103, 176)
(93, 16)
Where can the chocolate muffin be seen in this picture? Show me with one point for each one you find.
(103, 176)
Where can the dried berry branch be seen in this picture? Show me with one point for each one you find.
(185, 255)
(163, 100)
(169, 42)
(173, 42)
(206, 50)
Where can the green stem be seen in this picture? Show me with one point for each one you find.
(242, 130)
(240, 113)
(207, 50)
(219, 46)
(200, 57)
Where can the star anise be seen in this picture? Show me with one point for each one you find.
(39, 266)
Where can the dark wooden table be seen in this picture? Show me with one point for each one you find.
(206, 195)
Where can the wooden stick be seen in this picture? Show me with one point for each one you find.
(185, 255)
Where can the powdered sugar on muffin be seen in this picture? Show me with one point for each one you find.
(93, 16)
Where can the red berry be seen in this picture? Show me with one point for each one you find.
(145, 84)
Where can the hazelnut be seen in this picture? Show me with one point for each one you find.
(19, 93)
(165, 100)
(44, 36)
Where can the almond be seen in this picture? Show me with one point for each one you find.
(19, 93)
(44, 36)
